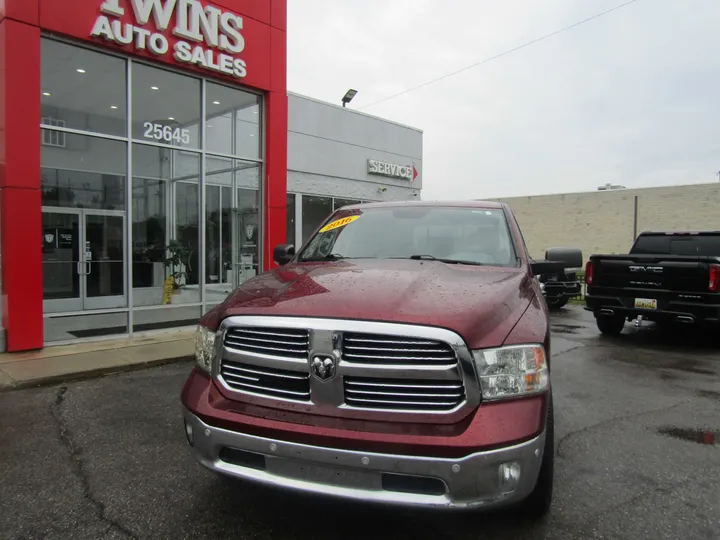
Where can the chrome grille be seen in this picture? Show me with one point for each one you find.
(396, 350)
(277, 342)
(399, 394)
(265, 381)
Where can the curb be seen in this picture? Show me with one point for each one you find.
(93, 373)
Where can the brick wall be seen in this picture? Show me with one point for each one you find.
(604, 221)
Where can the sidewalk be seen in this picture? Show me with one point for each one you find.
(61, 363)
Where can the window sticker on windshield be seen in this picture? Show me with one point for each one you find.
(338, 223)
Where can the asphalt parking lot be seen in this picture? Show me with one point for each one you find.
(637, 420)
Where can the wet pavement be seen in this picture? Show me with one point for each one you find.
(637, 428)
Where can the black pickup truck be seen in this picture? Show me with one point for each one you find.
(668, 277)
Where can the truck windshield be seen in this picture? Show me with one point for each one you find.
(459, 235)
(678, 244)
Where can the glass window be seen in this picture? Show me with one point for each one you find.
(463, 235)
(165, 226)
(233, 121)
(165, 107)
(81, 89)
(339, 203)
(315, 210)
(88, 172)
(290, 235)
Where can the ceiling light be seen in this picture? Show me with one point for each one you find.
(154, 88)
(171, 118)
(216, 103)
(47, 94)
(113, 106)
(80, 70)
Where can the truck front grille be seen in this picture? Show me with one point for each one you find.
(355, 369)
(396, 350)
(278, 342)
(265, 381)
(403, 394)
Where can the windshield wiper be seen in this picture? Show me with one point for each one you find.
(446, 261)
(329, 257)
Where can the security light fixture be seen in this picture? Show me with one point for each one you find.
(154, 88)
(48, 94)
(113, 106)
(80, 70)
(348, 97)
(216, 103)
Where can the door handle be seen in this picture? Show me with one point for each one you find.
(77, 268)
(89, 268)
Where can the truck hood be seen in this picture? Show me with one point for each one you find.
(482, 304)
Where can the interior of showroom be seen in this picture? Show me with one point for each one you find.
(158, 187)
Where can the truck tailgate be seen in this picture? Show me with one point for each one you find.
(653, 273)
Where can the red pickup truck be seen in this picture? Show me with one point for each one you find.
(401, 356)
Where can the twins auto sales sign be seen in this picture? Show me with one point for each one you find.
(190, 34)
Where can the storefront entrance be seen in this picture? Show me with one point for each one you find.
(83, 259)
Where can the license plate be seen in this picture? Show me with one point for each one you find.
(645, 303)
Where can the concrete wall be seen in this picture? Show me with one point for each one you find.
(605, 221)
(328, 149)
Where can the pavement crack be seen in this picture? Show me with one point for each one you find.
(75, 451)
(604, 423)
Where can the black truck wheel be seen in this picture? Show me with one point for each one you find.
(611, 325)
(557, 303)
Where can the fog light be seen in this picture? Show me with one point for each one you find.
(509, 476)
(189, 433)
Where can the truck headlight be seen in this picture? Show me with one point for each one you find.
(510, 372)
(204, 348)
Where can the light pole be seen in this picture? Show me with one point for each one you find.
(348, 97)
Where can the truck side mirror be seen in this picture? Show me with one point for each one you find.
(283, 253)
(541, 267)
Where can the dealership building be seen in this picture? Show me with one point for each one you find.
(155, 150)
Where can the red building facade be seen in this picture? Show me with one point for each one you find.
(145, 143)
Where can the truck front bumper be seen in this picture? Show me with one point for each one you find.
(485, 479)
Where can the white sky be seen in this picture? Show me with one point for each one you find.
(631, 98)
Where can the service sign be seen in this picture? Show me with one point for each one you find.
(194, 35)
(403, 172)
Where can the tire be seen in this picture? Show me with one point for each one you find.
(538, 503)
(558, 303)
(610, 325)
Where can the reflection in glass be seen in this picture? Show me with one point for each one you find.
(165, 226)
(314, 211)
(166, 107)
(290, 221)
(248, 227)
(88, 173)
(339, 203)
(233, 121)
(94, 100)
(104, 239)
(61, 254)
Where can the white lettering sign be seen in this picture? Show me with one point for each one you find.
(165, 133)
(405, 172)
(210, 37)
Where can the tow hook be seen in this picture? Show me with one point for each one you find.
(638, 321)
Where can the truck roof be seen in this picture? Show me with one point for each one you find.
(443, 204)
(677, 233)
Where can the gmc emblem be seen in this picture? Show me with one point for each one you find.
(651, 269)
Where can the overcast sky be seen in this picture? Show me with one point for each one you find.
(632, 97)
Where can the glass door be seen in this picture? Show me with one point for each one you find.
(83, 260)
(104, 260)
(62, 268)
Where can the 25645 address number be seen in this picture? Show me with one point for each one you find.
(166, 133)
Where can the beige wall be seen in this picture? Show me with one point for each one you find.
(603, 221)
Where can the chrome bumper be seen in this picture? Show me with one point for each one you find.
(469, 482)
